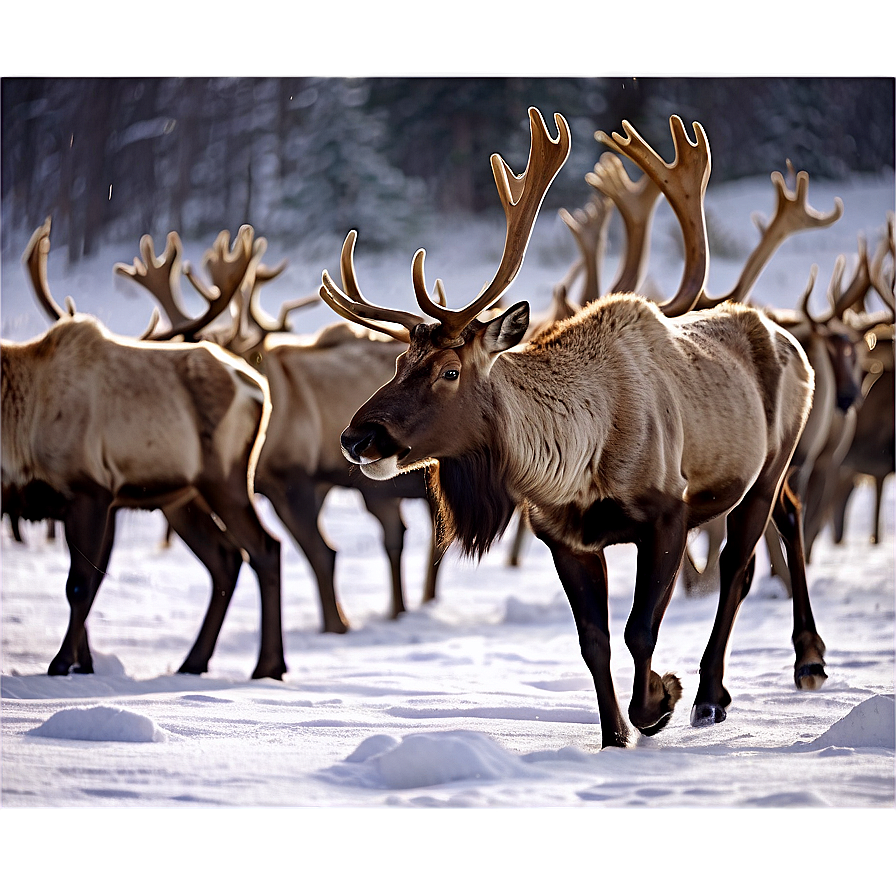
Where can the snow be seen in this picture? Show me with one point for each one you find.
(478, 701)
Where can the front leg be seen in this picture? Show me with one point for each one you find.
(661, 548)
(584, 579)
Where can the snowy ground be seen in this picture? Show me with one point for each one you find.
(479, 700)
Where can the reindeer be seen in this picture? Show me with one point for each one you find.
(315, 385)
(93, 422)
(871, 452)
(628, 422)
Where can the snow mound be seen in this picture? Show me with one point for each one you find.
(101, 723)
(427, 759)
(871, 724)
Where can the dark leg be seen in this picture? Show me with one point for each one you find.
(519, 540)
(878, 502)
(89, 531)
(841, 499)
(584, 579)
(437, 550)
(809, 673)
(746, 523)
(660, 552)
(387, 510)
(231, 502)
(223, 559)
(298, 507)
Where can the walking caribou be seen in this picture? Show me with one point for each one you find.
(629, 422)
(92, 422)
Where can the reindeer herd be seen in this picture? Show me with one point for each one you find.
(618, 417)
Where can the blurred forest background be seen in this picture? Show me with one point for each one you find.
(112, 158)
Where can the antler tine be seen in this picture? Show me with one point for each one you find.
(159, 275)
(588, 226)
(803, 303)
(853, 296)
(636, 202)
(35, 261)
(352, 305)
(683, 182)
(882, 280)
(792, 214)
(521, 196)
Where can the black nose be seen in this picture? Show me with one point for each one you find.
(356, 442)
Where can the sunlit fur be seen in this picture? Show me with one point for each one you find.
(619, 402)
(136, 419)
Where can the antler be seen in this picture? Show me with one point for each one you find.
(636, 202)
(853, 296)
(684, 185)
(521, 197)
(881, 278)
(352, 305)
(792, 214)
(159, 275)
(35, 260)
(589, 229)
(230, 265)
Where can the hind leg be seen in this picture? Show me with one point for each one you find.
(223, 559)
(809, 674)
(230, 500)
(746, 524)
(299, 506)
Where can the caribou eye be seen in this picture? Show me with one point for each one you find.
(451, 374)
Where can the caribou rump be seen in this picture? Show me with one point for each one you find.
(629, 422)
(93, 422)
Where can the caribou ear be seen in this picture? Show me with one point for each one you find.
(506, 331)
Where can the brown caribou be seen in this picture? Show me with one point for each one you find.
(316, 384)
(628, 422)
(93, 422)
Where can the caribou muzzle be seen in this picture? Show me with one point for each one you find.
(369, 443)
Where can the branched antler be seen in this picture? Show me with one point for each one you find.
(683, 183)
(636, 202)
(521, 196)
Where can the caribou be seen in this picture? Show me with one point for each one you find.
(628, 422)
(316, 384)
(93, 422)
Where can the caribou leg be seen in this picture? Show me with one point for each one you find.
(661, 548)
(387, 511)
(746, 524)
(232, 503)
(809, 674)
(89, 532)
(584, 579)
(298, 508)
(223, 559)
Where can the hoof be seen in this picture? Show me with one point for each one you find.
(810, 677)
(189, 669)
(276, 672)
(705, 714)
(335, 628)
(672, 692)
(59, 666)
